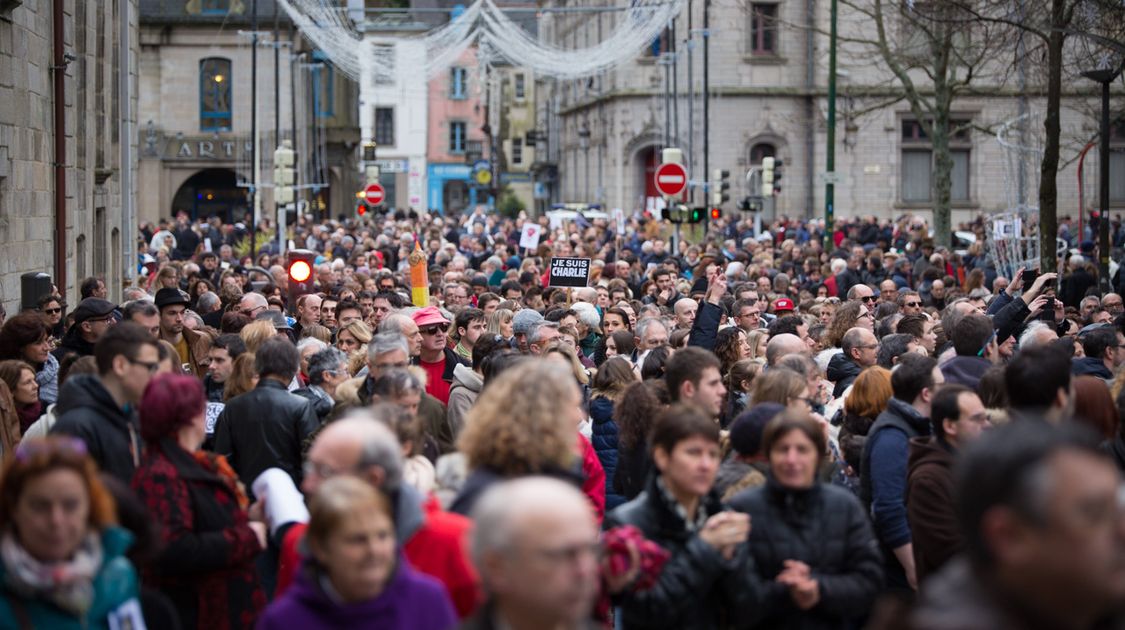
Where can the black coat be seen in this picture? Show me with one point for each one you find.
(825, 528)
(697, 588)
(321, 405)
(207, 564)
(842, 371)
(264, 428)
(87, 411)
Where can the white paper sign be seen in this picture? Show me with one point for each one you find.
(529, 237)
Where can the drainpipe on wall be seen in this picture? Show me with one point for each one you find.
(810, 109)
(59, 69)
(128, 238)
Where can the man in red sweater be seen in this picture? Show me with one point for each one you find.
(432, 540)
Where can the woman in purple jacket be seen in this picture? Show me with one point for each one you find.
(353, 576)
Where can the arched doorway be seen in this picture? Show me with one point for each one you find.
(211, 192)
(645, 168)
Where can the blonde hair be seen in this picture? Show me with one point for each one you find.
(753, 338)
(243, 376)
(256, 333)
(515, 428)
(498, 317)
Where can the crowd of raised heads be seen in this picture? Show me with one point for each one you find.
(792, 429)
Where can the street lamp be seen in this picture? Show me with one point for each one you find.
(584, 144)
(1107, 71)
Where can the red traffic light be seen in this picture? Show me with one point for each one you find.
(361, 210)
(716, 213)
(300, 271)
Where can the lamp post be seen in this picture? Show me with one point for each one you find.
(584, 144)
(1105, 74)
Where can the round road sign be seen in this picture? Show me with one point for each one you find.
(374, 194)
(671, 179)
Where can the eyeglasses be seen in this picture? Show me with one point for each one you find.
(250, 311)
(52, 311)
(431, 330)
(912, 304)
(867, 299)
(55, 444)
(151, 367)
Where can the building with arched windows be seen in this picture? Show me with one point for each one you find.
(195, 119)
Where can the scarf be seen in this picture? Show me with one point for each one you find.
(29, 414)
(218, 465)
(69, 585)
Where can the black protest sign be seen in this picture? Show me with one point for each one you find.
(570, 272)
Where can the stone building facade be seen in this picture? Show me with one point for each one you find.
(100, 96)
(196, 109)
(768, 86)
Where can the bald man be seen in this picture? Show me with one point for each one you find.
(783, 345)
(535, 543)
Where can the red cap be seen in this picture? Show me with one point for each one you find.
(783, 304)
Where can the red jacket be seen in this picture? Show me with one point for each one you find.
(594, 483)
(439, 548)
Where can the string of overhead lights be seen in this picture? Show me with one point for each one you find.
(483, 24)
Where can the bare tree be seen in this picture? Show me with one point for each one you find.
(934, 55)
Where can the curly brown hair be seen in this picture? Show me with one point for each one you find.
(843, 320)
(515, 427)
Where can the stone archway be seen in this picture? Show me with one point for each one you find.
(211, 192)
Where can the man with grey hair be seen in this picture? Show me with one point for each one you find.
(266, 426)
(1087, 306)
(390, 351)
(403, 324)
(432, 540)
(540, 336)
(208, 302)
(252, 303)
(1037, 333)
(535, 544)
(145, 313)
(651, 333)
(135, 293)
(860, 351)
(326, 369)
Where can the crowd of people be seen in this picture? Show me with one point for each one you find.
(781, 430)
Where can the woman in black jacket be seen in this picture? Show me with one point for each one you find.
(707, 582)
(812, 545)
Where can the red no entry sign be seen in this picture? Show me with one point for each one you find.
(671, 179)
(374, 194)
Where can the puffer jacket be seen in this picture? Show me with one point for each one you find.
(842, 371)
(604, 439)
(697, 588)
(115, 585)
(823, 526)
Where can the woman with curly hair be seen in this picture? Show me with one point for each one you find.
(850, 315)
(525, 422)
(731, 347)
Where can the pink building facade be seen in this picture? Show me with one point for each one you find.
(454, 136)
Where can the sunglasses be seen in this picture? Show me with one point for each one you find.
(52, 311)
(867, 298)
(431, 330)
(49, 446)
(912, 304)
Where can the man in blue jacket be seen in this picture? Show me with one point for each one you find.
(883, 467)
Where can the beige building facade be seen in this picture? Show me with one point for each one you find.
(768, 86)
(99, 157)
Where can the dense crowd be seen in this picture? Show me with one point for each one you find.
(789, 429)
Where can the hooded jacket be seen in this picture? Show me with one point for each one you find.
(965, 370)
(842, 371)
(929, 505)
(462, 394)
(1090, 366)
(697, 587)
(883, 472)
(73, 343)
(87, 411)
(409, 601)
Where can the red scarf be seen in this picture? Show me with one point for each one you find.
(219, 465)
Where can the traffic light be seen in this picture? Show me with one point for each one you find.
(720, 186)
(369, 151)
(680, 213)
(301, 277)
(284, 173)
(767, 176)
(777, 172)
(716, 214)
